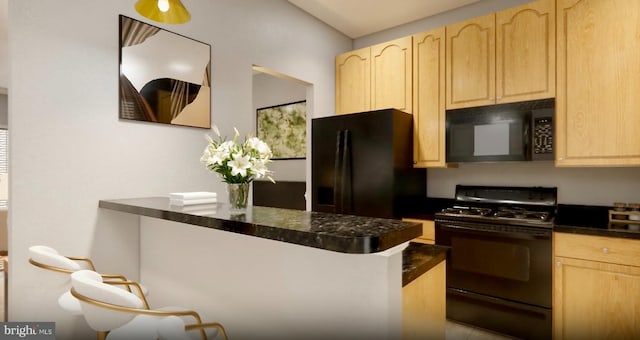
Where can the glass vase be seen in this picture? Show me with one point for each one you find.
(238, 197)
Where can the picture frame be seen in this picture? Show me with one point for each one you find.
(164, 77)
(284, 128)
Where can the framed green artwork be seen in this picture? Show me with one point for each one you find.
(284, 128)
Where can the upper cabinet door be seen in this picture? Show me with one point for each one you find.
(353, 84)
(526, 52)
(471, 62)
(391, 69)
(429, 99)
(598, 101)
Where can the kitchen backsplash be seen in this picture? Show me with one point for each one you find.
(588, 186)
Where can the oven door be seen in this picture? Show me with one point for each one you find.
(500, 261)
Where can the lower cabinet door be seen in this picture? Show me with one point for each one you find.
(595, 300)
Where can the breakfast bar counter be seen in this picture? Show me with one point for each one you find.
(341, 233)
(274, 273)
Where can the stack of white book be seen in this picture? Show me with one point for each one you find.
(192, 198)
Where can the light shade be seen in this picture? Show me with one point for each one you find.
(175, 14)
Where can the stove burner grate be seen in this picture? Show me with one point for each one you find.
(501, 213)
(474, 211)
(521, 213)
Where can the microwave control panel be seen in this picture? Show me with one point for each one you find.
(543, 134)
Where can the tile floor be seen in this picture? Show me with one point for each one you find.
(457, 331)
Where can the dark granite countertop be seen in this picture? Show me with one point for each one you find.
(591, 220)
(340, 233)
(419, 258)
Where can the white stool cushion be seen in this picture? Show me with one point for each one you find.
(49, 256)
(70, 304)
(89, 284)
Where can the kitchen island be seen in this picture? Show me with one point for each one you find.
(274, 273)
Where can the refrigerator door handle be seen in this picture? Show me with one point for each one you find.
(346, 207)
(337, 178)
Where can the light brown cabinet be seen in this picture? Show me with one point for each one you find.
(391, 72)
(511, 56)
(375, 77)
(424, 305)
(429, 98)
(424, 299)
(526, 52)
(353, 84)
(596, 287)
(428, 231)
(504, 57)
(597, 105)
(471, 62)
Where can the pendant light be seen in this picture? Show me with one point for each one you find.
(166, 11)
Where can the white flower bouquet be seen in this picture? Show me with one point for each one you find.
(237, 162)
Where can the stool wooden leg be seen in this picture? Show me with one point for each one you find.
(101, 335)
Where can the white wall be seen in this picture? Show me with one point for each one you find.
(593, 186)
(69, 150)
(4, 53)
(268, 91)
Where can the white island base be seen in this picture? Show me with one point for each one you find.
(264, 289)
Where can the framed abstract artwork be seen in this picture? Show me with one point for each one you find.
(284, 129)
(164, 77)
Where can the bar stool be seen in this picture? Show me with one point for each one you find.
(48, 258)
(119, 314)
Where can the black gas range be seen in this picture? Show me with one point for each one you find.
(502, 214)
(528, 206)
(500, 263)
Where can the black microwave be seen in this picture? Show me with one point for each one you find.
(505, 132)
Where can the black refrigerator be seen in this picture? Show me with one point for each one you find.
(362, 164)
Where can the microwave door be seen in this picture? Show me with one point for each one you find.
(487, 137)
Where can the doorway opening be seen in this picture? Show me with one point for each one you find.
(272, 88)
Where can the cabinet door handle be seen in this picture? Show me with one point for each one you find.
(605, 250)
(558, 263)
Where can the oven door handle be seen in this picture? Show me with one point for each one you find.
(502, 230)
